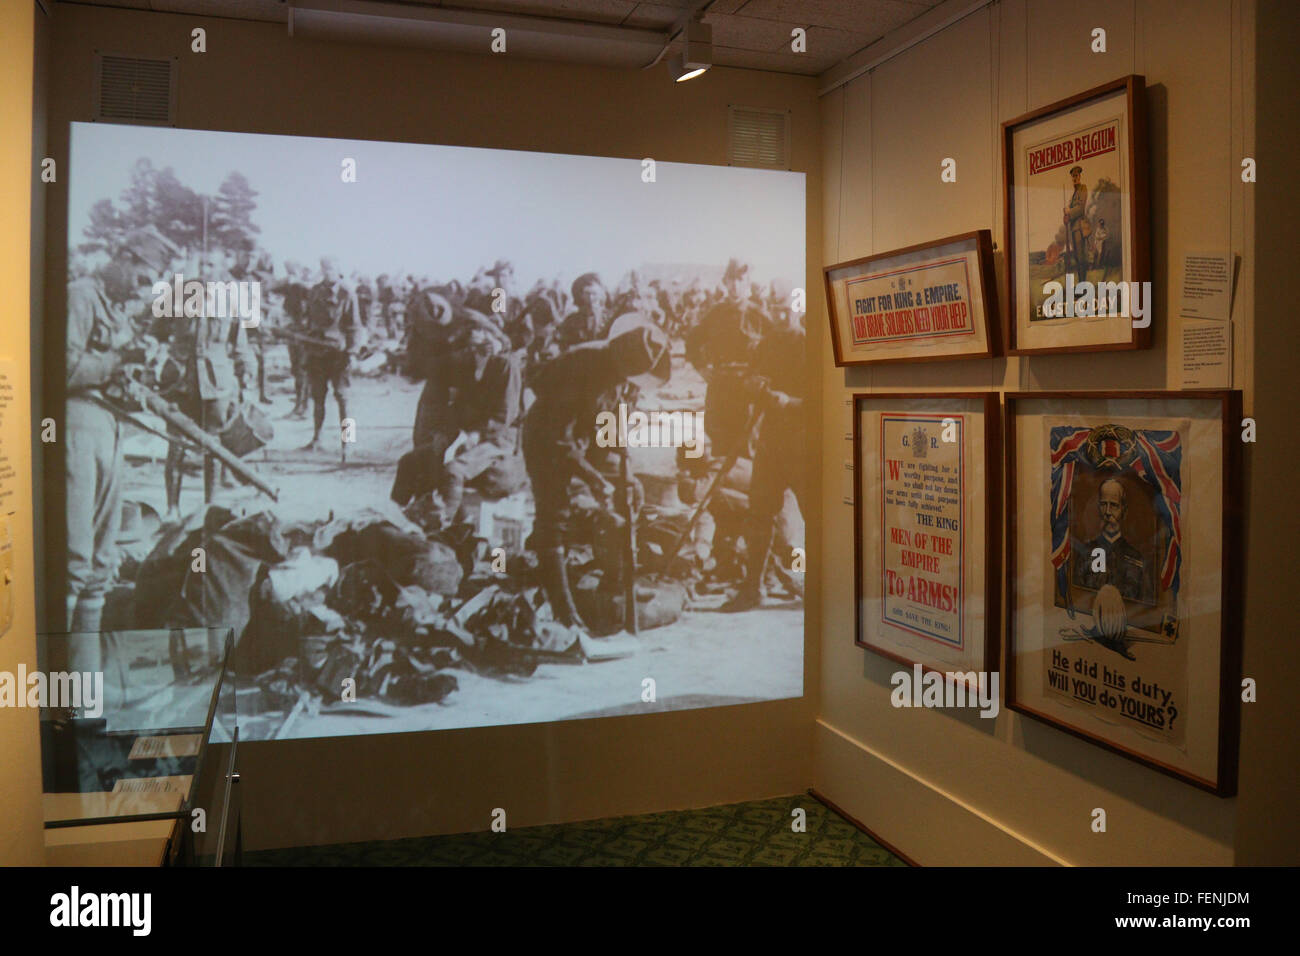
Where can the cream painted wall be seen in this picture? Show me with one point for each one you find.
(255, 78)
(20, 761)
(949, 787)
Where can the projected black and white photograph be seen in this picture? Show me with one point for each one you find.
(449, 437)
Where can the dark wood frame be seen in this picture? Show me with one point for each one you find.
(1139, 207)
(992, 519)
(1231, 559)
(983, 239)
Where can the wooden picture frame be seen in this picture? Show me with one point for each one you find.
(1103, 133)
(881, 620)
(1161, 642)
(951, 311)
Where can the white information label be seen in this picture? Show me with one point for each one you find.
(1207, 354)
(1207, 286)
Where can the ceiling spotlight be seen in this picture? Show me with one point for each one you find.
(696, 55)
(681, 71)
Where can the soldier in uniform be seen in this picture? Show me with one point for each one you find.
(489, 408)
(480, 391)
(500, 276)
(214, 361)
(98, 333)
(386, 296)
(590, 320)
(293, 292)
(409, 290)
(733, 280)
(434, 338)
(477, 295)
(694, 304)
(777, 389)
(647, 304)
(334, 325)
(1077, 225)
(627, 298)
(536, 324)
(721, 346)
(557, 437)
(247, 268)
(1124, 567)
(439, 332)
(365, 296)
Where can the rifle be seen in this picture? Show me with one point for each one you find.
(307, 339)
(1065, 216)
(755, 418)
(363, 354)
(629, 544)
(151, 401)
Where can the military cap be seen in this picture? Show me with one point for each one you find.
(1076, 169)
(643, 348)
(439, 309)
(151, 247)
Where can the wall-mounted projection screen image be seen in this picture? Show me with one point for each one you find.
(449, 437)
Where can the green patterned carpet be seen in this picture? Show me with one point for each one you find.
(741, 834)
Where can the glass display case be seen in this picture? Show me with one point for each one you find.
(139, 735)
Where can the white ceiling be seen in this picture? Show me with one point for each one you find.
(752, 34)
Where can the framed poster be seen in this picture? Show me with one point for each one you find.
(927, 526)
(1124, 573)
(933, 301)
(1077, 229)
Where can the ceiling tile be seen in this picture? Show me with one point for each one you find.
(746, 33)
(836, 45)
(779, 62)
(653, 16)
(876, 17)
(609, 12)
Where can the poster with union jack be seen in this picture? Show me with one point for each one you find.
(1124, 562)
(1117, 518)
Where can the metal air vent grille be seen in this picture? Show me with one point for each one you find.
(131, 89)
(758, 137)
